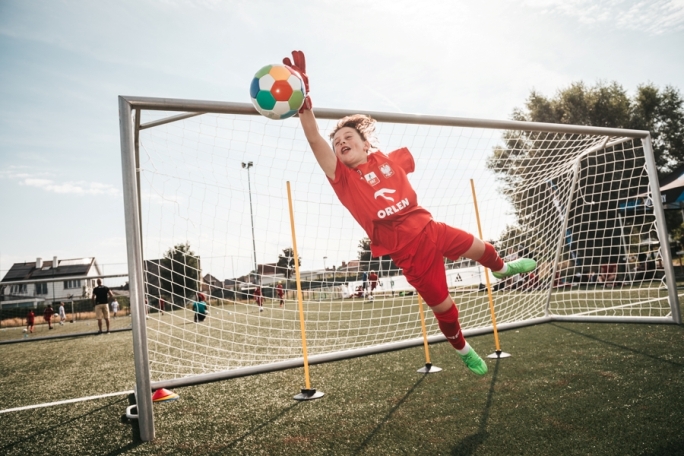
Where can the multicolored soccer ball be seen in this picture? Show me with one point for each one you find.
(277, 92)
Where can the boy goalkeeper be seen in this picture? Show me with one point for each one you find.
(375, 189)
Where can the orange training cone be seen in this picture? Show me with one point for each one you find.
(163, 395)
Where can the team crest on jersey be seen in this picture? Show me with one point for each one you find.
(386, 170)
(371, 178)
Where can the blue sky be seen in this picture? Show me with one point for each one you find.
(63, 64)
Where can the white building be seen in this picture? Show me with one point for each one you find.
(50, 280)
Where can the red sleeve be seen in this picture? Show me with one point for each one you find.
(403, 158)
(340, 170)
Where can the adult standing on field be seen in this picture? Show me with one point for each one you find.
(101, 295)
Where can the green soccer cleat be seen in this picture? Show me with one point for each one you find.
(473, 361)
(519, 266)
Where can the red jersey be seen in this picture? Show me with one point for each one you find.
(373, 277)
(279, 290)
(381, 199)
(257, 296)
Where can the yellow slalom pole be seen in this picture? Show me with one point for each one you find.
(308, 392)
(429, 368)
(498, 353)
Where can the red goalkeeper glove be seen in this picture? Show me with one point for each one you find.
(299, 66)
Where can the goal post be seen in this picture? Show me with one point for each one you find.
(130, 169)
(206, 211)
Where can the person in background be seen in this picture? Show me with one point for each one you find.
(259, 298)
(279, 291)
(62, 314)
(200, 308)
(115, 307)
(364, 283)
(100, 298)
(30, 321)
(47, 315)
(373, 280)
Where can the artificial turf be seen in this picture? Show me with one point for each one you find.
(569, 388)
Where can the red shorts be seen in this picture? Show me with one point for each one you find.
(423, 259)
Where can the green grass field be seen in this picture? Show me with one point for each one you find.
(569, 388)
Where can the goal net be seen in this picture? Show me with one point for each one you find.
(212, 207)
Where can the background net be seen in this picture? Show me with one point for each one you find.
(579, 204)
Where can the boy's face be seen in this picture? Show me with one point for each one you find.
(349, 147)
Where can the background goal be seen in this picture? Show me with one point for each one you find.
(207, 210)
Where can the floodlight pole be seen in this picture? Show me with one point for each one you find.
(251, 215)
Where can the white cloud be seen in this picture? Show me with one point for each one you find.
(78, 187)
(44, 182)
(654, 17)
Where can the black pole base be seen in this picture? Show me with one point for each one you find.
(429, 369)
(308, 395)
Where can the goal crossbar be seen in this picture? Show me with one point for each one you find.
(217, 107)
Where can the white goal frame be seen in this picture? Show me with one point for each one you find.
(130, 109)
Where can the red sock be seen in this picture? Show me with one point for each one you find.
(448, 324)
(490, 259)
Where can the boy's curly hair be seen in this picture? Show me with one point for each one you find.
(363, 124)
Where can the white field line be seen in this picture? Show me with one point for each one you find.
(632, 304)
(67, 401)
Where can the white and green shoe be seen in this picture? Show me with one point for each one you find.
(519, 266)
(473, 361)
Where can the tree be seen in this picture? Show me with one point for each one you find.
(607, 105)
(383, 264)
(286, 261)
(180, 271)
(365, 253)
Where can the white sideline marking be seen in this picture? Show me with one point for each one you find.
(67, 401)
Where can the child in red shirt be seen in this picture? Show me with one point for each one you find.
(279, 290)
(30, 321)
(373, 279)
(258, 297)
(47, 315)
(373, 186)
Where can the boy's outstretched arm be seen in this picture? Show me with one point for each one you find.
(321, 149)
